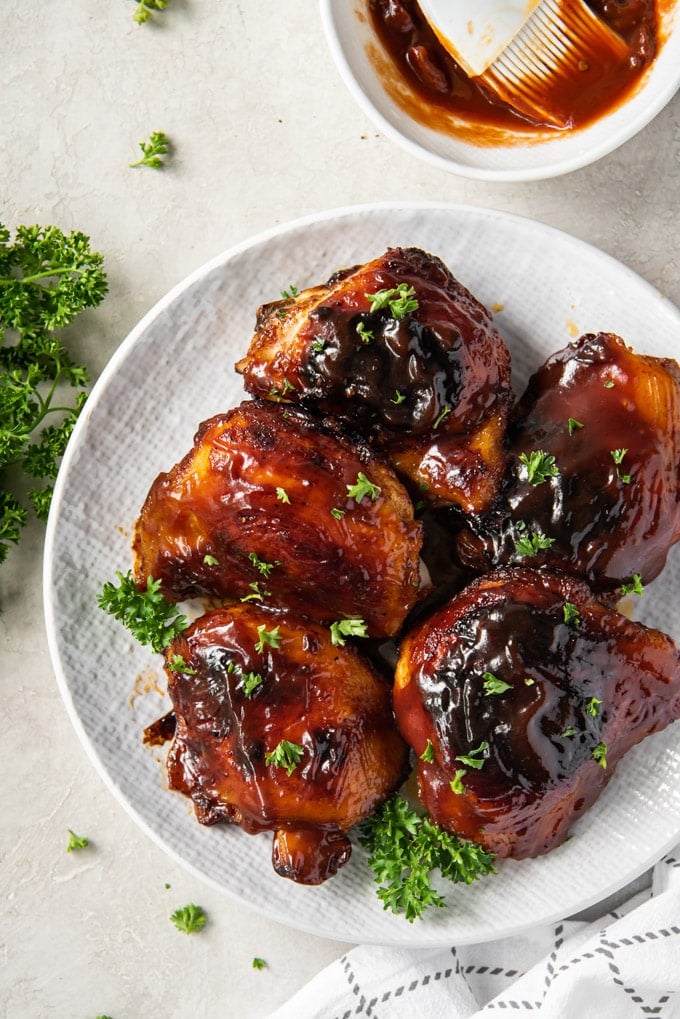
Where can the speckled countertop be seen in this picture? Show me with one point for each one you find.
(263, 131)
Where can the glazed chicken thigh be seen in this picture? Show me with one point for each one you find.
(271, 506)
(404, 353)
(279, 729)
(520, 697)
(608, 505)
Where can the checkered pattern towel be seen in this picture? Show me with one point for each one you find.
(624, 966)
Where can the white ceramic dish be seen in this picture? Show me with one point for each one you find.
(351, 40)
(174, 370)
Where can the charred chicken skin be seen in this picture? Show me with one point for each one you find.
(403, 352)
(520, 697)
(271, 506)
(278, 729)
(609, 507)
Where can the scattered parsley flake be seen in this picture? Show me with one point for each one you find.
(177, 664)
(259, 963)
(362, 488)
(600, 754)
(256, 593)
(347, 628)
(189, 919)
(570, 613)
(494, 685)
(282, 495)
(456, 784)
(475, 758)
(569, 731)
(428, 753)
(538, 466)
(364, 333)
(270, 637)
(338, 513)
(251, 681)
(290, 293)
(76, 841)
(573, 425)
(210, 560)
(318, 345)
(153, 151)
(398, 398)
(593, 706)
(441, 416)
(529, 543)
(633, 586)
(146, 8)
(400, 300)
(608, 384)
(528, 681)
(261, 566)
(285, 755)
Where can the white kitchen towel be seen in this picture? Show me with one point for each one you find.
(626, 965)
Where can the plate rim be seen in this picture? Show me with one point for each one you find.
(431, 938)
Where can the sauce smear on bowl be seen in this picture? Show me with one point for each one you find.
(425, 80)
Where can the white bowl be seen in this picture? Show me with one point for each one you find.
(351, 37)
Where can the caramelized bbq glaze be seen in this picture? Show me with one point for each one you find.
(539, 737)
(259, 508)
(430, 389)
(434, 89)
(325, 699)
(608, 521)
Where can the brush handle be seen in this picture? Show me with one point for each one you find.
(476, 32)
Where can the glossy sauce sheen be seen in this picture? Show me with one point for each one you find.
(537, 776)
(431, 389)
(223, 501)
(323, 698)
(608, 521)
(441, 88)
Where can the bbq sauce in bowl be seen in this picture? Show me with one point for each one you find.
(425, 80)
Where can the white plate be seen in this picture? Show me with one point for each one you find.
(354, 44)
(174, 370)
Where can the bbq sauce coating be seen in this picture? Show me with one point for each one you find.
(325, 699)
(431, 388)
(259, 508)
(540, 737)
(607, 520)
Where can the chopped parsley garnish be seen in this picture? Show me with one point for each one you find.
(428, 753)
(146, 614)
(177, 664)
(617, 456)
(153, 151)
(76, 841)
(633, 586)
(600, 754)
(282, 495)
(573, 425)
(608, 384)
(404, 849)
(364, 333)
(261, 566)
(256, 593)
(362, 488)
(338, 513)
(398, 398)
(290, 293)
(318, 345)
(189, 919)
(569, 731)
(145, 9)
(210, 560)
(251, 681)
(494, 685)
(347, 628)
(259, 963)
(538, 466)
(286, 755)
(270, 637)
(529, 543)
(593, 706)
(400, 300)
(456, 784)
(475, 758)
(571, 613)
(528, 681)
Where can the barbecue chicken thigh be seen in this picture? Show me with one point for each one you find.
(605, 505)
(404, 353)
(278, 729)
(271, 506)
(520, 697)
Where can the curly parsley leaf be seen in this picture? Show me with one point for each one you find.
(538, 466)
(153, 151)
(146, 8)
(76, 841)
(404, 849)
(189, 919)
(342, 628)
(285, 755)
(400, 301)
(362, 488)
(147, 615)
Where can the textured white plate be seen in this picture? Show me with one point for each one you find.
(174, 370)
(352, 42)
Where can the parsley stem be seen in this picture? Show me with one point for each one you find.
(46, 274)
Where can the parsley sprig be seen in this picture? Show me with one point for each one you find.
(285, 755)
(400, 301)
(153, 151)
(146, 8)
(189, 919)
(342, 628)
(146, 614)
(47, 278)
(538, 466)
(404, 849)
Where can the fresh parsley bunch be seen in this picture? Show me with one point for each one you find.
(405, 849)
(47, 278)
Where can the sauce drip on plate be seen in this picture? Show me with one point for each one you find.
(425, 80)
